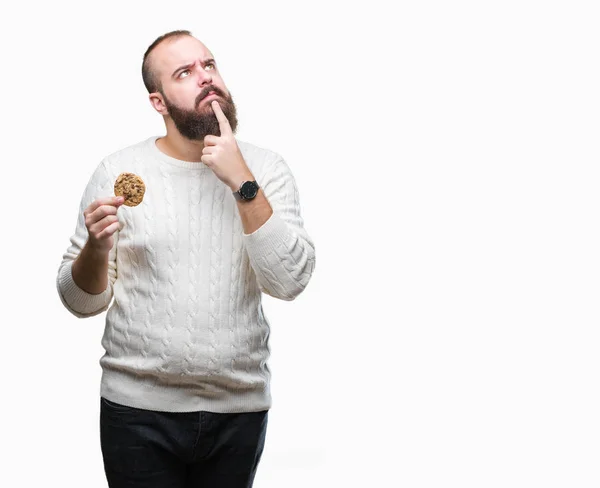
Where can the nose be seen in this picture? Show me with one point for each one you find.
(204, 78)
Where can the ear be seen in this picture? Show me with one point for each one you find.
(156, 100)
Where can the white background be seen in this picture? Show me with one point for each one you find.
(446, 155)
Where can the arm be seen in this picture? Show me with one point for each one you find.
(88, 268)
(254, 213)
(281, 252)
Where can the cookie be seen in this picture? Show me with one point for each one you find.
(131, 187)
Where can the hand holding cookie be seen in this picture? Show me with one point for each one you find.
(102, 222)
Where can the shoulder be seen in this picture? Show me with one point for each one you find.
(126, 158)
(129, 152)
(257, 155)
(264, 163)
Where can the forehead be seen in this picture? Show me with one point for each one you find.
(172, 53)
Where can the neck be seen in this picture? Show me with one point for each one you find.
(179, 147)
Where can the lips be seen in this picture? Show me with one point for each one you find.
(210, 94)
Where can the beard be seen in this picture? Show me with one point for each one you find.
(197, 124)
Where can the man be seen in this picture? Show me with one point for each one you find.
(185, 381)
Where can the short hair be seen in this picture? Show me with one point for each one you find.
(149, 75)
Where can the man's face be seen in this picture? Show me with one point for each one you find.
(190, 82)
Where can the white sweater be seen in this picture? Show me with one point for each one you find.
(186, 329)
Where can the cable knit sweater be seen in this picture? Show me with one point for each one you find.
(186, 330)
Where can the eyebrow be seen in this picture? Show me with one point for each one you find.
(189, 65)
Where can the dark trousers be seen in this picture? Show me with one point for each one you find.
(148, 449)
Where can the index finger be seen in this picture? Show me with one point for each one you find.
(223, 122)
(114, 201)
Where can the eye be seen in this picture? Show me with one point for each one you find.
(210, 65)
(184, 72)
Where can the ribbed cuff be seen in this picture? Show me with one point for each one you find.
(272, 235)
(78, 300)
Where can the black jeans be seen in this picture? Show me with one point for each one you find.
(148, 449)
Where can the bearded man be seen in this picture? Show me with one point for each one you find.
(180, 269)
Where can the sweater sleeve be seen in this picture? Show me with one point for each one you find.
(77, 301)
(281, 252)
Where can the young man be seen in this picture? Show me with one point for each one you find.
(185, 381)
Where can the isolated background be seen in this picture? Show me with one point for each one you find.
(446, 155)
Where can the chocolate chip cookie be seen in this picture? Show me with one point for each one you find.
(132, 187)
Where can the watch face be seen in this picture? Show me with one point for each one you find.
(249, 190)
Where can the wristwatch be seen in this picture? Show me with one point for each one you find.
(248, 190)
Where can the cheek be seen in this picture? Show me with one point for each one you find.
(187, 98)
(184, 94)
(218, 82)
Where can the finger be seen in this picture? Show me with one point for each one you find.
(210, 140)
(100, 213)
(115, 201)
(110, 230)
(223, 122)
(207, 159)
(208, 150)
(98, 227)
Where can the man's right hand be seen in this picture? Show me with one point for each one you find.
(102, 222)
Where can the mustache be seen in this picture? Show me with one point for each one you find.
(206, 91)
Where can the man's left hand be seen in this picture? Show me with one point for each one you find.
(222, 154)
